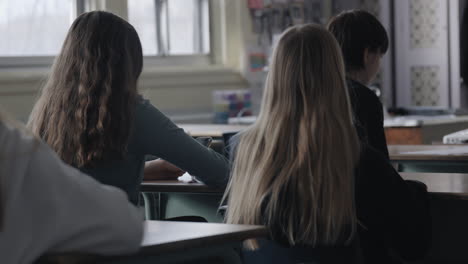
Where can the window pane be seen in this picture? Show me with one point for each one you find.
(205, 13)
(181, 26)
(142, 15)
(33, 27)
(188, 27)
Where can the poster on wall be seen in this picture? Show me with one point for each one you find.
(255, 72)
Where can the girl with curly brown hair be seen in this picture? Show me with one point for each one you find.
(90, 113)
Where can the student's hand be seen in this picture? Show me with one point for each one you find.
(161, 170)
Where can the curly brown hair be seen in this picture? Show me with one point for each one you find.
(85, 110)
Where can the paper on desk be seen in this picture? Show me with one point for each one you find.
(186, 178)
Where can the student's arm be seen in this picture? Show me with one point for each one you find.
(159, 136)
(71, 212)
(159, 169)
(375, 125)
(393, 208)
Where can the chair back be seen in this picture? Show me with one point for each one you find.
(227, 147)
(271, 252)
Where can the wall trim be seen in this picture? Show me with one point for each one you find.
(190, 77)
(28, 81)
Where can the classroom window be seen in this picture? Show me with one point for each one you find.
(171, 27)
(33, 30)
(34, 27)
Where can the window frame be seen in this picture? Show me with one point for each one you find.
(163, 59)
(153, 61)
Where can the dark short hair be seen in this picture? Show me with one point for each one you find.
(356, 31)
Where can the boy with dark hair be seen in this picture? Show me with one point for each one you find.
(363, 41)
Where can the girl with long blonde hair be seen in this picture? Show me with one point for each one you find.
(285, 172)
(301, 171)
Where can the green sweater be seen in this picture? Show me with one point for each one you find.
(155, 134)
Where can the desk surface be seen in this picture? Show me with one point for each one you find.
(452, 185)
(210, 130)
(422, 120)
(177, 186)
(398, 121)
(163, 236)
(438, 183)
(429, 152)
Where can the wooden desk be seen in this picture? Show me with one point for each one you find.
(428, 152)
(179, 242)
(442, 185)
(436, 182)
(163, 236)
(449, 205)
(430, 158)
(413, 129)
(211, 130)
(422, 129)
(178, 186)
(166, 199)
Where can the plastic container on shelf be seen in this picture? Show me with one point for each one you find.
(231, 103)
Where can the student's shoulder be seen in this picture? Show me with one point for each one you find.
(150, 122)
(19, 147)
(235, 140)
(146, 111)
(372, 160)
(363, 92)
(368, 153)
(143, 104)
(16, 139)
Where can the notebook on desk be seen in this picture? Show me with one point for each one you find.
(460, 137)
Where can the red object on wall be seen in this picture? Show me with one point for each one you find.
(255, 4)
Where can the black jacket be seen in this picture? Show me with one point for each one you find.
(368, 116)
(394, 213)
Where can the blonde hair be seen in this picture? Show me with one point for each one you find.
(294, 168)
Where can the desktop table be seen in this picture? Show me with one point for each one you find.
(442, 185)
(417, 129)
(448, 194)
(211, 130)
(430, 158)
(175, 198)
(179, 242)
(178, 186)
